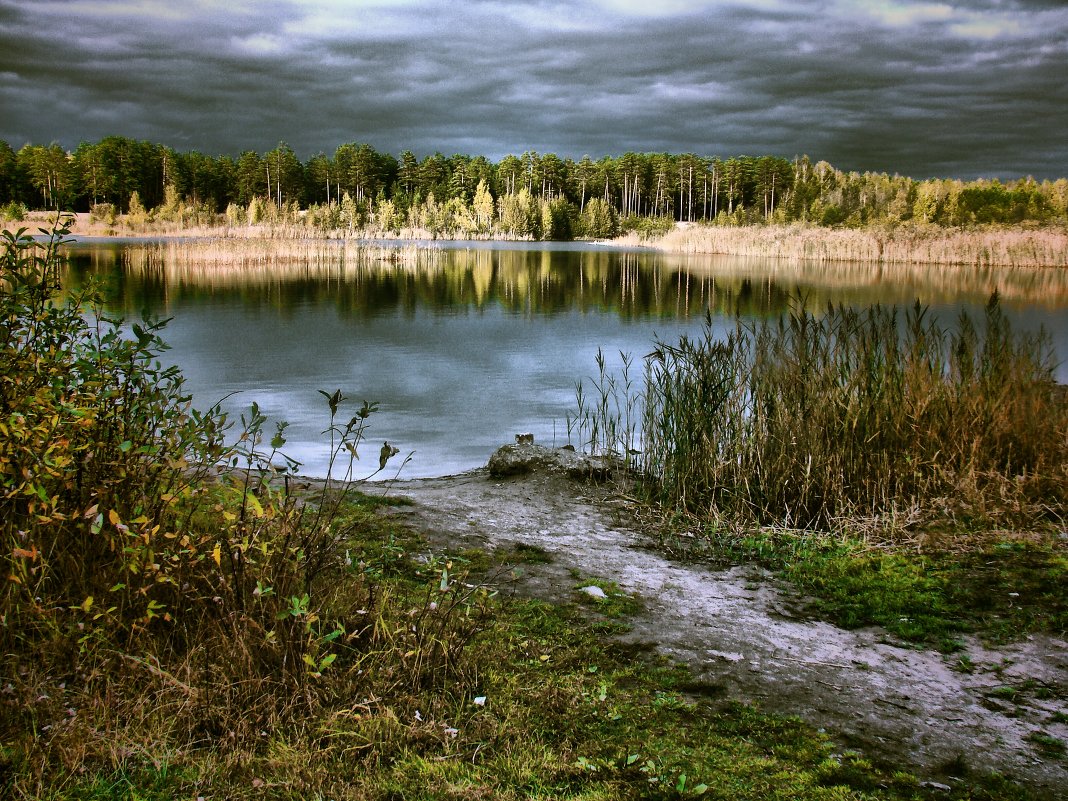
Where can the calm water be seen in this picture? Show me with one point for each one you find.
(464, 346)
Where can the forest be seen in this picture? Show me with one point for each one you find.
(540, 196)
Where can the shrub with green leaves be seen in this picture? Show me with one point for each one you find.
(13, 211)
(98, 449)
(647, 227)
(150, 553)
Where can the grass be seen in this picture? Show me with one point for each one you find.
(615, 605)
(527, 554)
(550, 708)
(218, 257)
(1001, 591)
(901, 245)
(1048, 745)
(859, 420)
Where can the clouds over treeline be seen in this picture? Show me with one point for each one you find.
(920, 88)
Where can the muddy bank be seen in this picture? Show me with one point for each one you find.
(743, 638)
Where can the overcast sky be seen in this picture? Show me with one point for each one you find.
(919, 88)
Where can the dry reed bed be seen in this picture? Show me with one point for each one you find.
(210, 259)
(877, 422)
(930, 245)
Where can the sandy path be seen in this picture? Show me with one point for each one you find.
(736, 631)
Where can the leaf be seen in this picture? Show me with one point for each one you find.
(22, 553)
(216, 554)
(333, 400)
(327, 661)
(87, 604)
(254, 503)
(114, 518)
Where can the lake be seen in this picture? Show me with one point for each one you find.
(464, 345)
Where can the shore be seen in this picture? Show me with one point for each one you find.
(744, 635)
(992, 247)
(1029, 248)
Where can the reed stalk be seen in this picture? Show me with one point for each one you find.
(877, 421)
(902, 245)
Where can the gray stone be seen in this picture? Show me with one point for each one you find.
(942, 788)
(525, 457)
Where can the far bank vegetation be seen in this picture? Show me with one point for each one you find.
(751, 206)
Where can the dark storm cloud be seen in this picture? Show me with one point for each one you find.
(921, 88)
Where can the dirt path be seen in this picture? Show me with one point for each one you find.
(736, 630)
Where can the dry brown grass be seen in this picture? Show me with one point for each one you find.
(238, 263)
(858, 421)
(221, 253)
(904, 245)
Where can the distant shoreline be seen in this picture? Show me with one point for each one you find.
(988, 247)
(982, 247)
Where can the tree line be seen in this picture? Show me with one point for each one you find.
(536, 195)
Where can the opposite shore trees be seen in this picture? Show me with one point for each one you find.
(531, 195)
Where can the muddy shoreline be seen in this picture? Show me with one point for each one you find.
(742, 635)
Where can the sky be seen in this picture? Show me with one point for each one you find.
(925, 89)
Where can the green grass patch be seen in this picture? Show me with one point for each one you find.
(1002, 592)
(615, 605)
(525, 554)
(376, 500)
(1047, 744)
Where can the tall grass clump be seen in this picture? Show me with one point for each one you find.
(868, 417)
(607, 419)
(166, 593)
(902, 245)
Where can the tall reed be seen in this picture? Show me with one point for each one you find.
(903, 245)
(607, 421)
(858, 417)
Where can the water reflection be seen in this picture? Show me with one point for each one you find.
(464, 347)
(376, 280)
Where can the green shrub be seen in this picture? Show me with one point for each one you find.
(14, 211)
(104, 212)
(96, 451)
(145, 558)
(647, 227)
